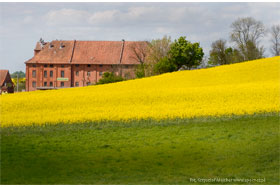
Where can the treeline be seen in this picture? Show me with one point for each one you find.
(164, 55)
(246, 34)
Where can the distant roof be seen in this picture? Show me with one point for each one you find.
(85, 52)
(3, 75)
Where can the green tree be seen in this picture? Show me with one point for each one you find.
(20, 74)
(184, 53)
(140, 71)
(220, 54)
(164, 65)
(108, 77)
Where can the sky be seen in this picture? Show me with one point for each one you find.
(23, 24)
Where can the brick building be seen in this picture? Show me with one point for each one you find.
(59, 64)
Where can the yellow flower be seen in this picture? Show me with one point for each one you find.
(242, 88)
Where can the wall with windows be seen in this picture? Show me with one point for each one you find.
(87, 74)
(46, 75)
(74, 75)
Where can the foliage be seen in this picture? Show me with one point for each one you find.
(143, 152)
(108, 77)
(220, 54)
(242, 88)
(184, 53)
(164, 65)
(140, 71)
(20, 74)
(158, 49)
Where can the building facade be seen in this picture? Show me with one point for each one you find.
(60, 64)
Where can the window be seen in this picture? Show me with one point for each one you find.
(76, 84)
(88, 65)
(62, 73)
(45, 83)
(100, 73)
(88, 73)
(51, 73)
(51, 84)
(77, 73)
(62, 66)
(88, 83)
(45, 74)
(77, 65)
(34, 73)
(34, 65)
(51, 65)
(34, 84)
(100, 65)
(45, 65)
(62, 84)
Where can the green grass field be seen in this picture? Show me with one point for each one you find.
(144, 152)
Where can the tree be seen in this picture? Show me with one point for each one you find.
(20, 74)
(220, 54)
(158, 49)
(184, 53)
(164, 65)
(139, 53)
(246, 34)
(108, 77)
(275, 40)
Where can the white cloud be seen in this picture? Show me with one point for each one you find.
(164, 30)
(65, 16)
(104, 16)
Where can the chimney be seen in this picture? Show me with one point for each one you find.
(38, 48)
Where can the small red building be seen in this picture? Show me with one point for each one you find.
(6, 83)
(59, 64)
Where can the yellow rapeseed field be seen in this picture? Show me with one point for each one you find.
(238, 89)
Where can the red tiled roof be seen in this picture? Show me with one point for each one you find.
(85, 52)
(3, 75)
(54, 54)
(97, 52)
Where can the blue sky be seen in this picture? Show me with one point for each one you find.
(23, 24)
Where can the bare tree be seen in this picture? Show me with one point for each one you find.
(246, 34)
(275, 40)
(158, 49)
(150, 53)
(139, 51)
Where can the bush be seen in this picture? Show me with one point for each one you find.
(108, 77)
(164, 66)
(140, 71)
